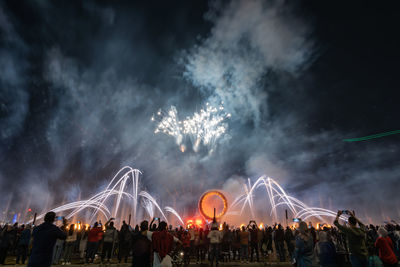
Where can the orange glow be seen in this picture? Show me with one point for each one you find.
(194, 222)
(210, 200)
(189, 223)
(261, 226)
(242, 226)
(199, 222)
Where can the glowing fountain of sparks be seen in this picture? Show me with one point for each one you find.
(119, 189)
(125, 186)
(278, 197)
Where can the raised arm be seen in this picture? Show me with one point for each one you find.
(151, 223)
(362, 226)
(336, 222)
(108, 222)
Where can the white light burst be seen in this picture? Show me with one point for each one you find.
(204, 127)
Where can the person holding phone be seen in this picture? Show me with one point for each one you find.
(355, 238)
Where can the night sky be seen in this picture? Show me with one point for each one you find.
(80, 80)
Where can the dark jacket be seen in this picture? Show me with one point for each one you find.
(6, 238)
(25, 237)
(44, 238)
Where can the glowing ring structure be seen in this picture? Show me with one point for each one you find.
(213, 193)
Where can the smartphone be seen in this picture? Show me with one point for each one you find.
(59, 218)
(157, 219)
(296, 220)
(345, 211)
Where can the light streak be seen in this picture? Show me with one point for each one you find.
(173, 211)
(117, 188)
(278, 197)
(371, 136)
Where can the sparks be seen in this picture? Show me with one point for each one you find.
(202, 128)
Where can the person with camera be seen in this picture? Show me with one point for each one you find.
(253, 240)
(355, 237)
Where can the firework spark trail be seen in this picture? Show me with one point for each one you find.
(105, 195)
(149, 207)
(278, 197)
(168, 123)
(118, 188)
(204, 127)
(173, 211)
(149, 197)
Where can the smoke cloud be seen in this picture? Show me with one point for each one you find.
(249, 40)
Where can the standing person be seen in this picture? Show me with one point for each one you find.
(268, 237)
(58, 248)
(83, 243)
(244, 245)
(23, 244)
(215, 237)
(199, 243)
(185, 239)
(192, 244)
(289, 239)
(236, 243)
(355, 239)
(226, 242)
(162, 243)
(385, 246)
(124, 241)
(279, 239)
(109, 239)
(70, 243)
(44, 238)
(5, 242)
(94, 236)
(141, 247)
(325, 250)
(303, 252)
(254, 241)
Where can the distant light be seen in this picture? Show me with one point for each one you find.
(29, 210)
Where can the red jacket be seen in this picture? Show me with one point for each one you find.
(95, 234)
(162, 243)
(385, 246)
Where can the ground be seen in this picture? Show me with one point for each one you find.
(11, 261)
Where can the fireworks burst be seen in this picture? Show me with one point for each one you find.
(204, 127)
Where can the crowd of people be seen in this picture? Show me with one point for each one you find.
(157, 244)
